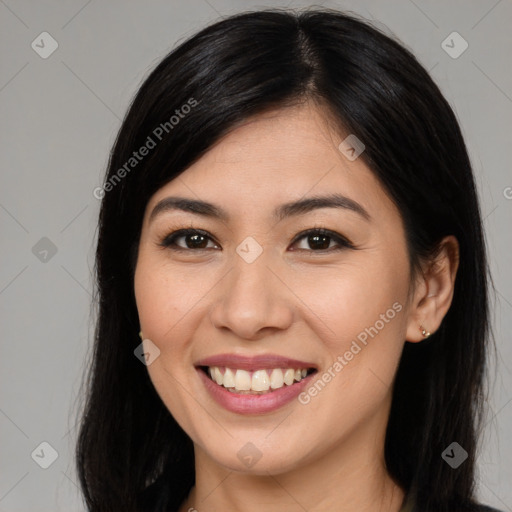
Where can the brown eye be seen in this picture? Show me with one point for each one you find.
(321, 242)
(318, 240)
(193, 239)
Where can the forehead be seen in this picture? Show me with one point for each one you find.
(275, 157)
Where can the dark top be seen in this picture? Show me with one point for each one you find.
(409, 506)
(154, 496)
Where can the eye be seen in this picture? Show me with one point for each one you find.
(195, 239)
(318, 240)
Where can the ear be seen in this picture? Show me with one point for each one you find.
(433, 292)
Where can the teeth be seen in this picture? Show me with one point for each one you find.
(218, 376)
(276, 379)
(289, 376)
(259, 381)
(242, 380)
(229, 379)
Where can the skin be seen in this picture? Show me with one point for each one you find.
(294, 300)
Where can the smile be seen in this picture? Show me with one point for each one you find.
(257, 382)
(253, 385)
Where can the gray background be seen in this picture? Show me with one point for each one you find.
(59, 117)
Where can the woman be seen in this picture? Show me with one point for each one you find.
(290, 224)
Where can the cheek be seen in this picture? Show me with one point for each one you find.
(170, 304)
(164, 297)
(152, 299)
(362, 311)
(367, 317)
(353, 298)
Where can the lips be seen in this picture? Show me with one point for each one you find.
(254, 385)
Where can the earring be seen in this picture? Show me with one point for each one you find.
(141, 336)
(424, 331)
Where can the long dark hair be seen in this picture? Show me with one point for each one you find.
(374, 88)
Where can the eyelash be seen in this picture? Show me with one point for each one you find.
(169, 241)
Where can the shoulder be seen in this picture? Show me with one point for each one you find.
(474, 508)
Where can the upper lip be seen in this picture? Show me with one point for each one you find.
(253, 363)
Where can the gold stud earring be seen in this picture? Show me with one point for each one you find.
(141, 336)
(424, 331)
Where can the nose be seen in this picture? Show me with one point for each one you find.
(253, 301)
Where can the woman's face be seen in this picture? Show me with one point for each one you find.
(257, 297)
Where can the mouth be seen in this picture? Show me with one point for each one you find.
(254, 385)
(258, 382)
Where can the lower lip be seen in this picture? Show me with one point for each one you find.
(253, 404)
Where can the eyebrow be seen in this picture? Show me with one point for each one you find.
(283, 211)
